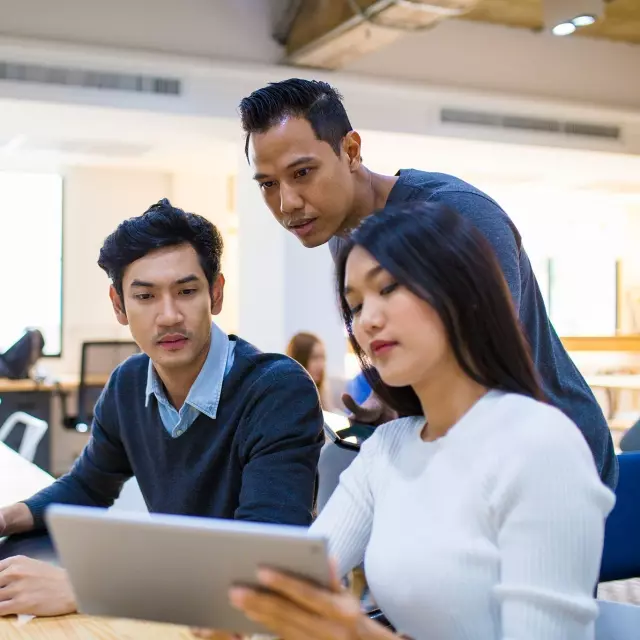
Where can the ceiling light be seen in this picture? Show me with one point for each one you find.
(563, 29)
(563, 17)
(584, 20)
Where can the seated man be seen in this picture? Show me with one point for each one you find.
(207, 424)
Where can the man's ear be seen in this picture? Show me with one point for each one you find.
(217, 295)
(352, 146)
(118, 306)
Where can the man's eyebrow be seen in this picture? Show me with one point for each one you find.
(299, 161)
(291, 165)
(192, 277)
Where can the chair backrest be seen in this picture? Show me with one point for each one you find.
(621, 553)
(334, 459)
(17, 361)
(631, 439)
(99, 359)
(33, 433)
(617, 621)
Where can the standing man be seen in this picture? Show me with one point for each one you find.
(207, 424)
(306, 159)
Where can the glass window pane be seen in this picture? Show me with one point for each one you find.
(31, 257)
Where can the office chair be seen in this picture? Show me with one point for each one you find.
(341, 446)
(16, 362)
(33, 433)
(631, 439)
(99, 359)
(617, 621)
(335, 456)
(621, 553)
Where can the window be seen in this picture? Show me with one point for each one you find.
(583, 296)
(573, 238)
(31, 257)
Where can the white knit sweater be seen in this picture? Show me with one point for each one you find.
(492, 532)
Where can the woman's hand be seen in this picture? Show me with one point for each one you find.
(293, 609)
(372, 411)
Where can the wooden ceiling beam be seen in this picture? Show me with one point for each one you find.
(329, 33)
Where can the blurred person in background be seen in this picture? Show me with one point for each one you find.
(309, 351)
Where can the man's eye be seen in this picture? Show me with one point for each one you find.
(142, 296)
(268, 184)
(302, 173)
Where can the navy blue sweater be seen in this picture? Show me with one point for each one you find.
(562, 383)
(256, 461)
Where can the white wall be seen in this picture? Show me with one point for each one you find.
(211, 195)
(95, 202)
(311, 303)
(284, 288)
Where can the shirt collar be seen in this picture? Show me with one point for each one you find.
(204, 394)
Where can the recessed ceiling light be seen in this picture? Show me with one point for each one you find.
(563, 17)
(563, 29)
(584, 20)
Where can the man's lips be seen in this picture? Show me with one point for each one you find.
(173, 341)
(378, 347)
(302, 227)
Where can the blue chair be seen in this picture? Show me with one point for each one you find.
(621, 553)
(617, 621)
(359, 388)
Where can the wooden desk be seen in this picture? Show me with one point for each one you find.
(613, 383)
(629, 381)
(77, 627)
(64, 383)
(60, 446)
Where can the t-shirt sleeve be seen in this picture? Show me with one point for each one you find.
(496, 227)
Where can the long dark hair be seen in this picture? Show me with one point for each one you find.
(443, 259)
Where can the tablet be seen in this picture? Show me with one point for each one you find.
(175, 569)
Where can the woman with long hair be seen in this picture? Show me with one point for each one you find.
(308, 350)
(479, 513)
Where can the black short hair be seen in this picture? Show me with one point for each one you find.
(315, 101)
(161, 225)
(442, 258)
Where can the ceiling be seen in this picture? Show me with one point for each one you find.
(330, 34)
(621, 21)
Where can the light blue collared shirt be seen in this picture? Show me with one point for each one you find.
(204, 395)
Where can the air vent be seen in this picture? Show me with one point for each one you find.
(90, 79)
(524, 123)
(102, 148)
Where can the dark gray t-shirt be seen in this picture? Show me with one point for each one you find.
(562, 383)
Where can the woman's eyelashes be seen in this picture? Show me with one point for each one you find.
(390, 288)
(354, 309)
